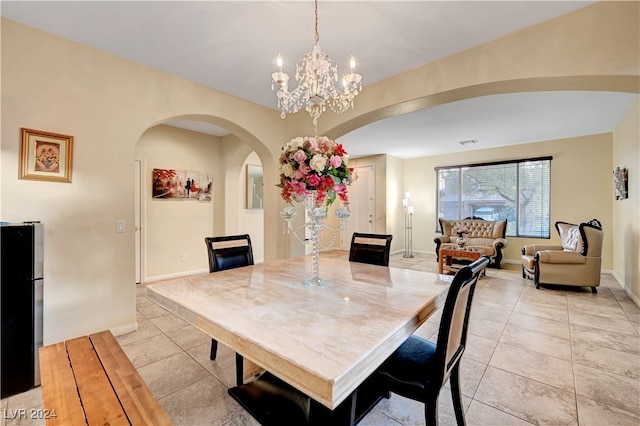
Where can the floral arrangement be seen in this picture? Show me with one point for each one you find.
(47, 157)
(461, 230)
(314, 164)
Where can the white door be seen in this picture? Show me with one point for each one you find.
(361, 204)
(138, 217)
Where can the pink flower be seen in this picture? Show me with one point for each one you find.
(335, 161)
(300, 156)
(313, 144)
(292, 189)
(302, 172)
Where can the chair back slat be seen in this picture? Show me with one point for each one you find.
(454, 322)
(228, 252)
(457, 324)
(370, 248)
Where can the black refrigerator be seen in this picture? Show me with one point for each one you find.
(21, 282)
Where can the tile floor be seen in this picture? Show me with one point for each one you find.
(548, 356)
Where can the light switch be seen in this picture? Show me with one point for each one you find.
(120, 227)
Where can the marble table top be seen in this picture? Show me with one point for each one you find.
(324, 341)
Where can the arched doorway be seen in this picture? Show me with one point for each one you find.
(171, 229)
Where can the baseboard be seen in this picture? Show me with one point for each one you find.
(399, 251)
(124, 329)
(175, 275)
(626, 289)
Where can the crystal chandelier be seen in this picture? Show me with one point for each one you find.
(316, 74)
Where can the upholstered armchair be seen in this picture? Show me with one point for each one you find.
(575, 262)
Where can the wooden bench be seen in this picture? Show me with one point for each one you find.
(90, 380)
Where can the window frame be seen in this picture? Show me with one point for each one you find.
(517, 162)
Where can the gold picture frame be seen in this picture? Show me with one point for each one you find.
(45, 156)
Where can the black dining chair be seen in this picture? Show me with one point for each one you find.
(227, 252)
(370, 248)
(419, 368)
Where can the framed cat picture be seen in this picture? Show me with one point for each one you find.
(620, 183)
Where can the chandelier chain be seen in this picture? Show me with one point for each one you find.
(317, 34)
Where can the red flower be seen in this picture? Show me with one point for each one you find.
(314, 180)
(340, 150)
(327, 183)
(342, 194)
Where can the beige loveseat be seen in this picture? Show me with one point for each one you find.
(575, 262)
(485, 235)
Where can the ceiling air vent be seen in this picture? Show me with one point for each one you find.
(467, 142)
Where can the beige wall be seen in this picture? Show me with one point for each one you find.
(580, 187)
(173, 227)
(395, 187)
(594, 48)
(626, 213)
(108, 103)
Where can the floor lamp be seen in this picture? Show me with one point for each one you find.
(408, 226)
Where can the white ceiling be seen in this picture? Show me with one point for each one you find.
(231, 46)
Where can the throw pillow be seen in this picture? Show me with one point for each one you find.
(571, 238)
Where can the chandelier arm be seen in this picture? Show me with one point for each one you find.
(294, 230)
(330, 243)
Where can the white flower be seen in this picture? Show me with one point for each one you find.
(287, 170)
(345, 160)
(296, 143)
(318, 162)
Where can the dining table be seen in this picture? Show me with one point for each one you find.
(313, 347)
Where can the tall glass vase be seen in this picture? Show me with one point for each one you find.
(316, 216)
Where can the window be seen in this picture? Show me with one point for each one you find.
(518, 191)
